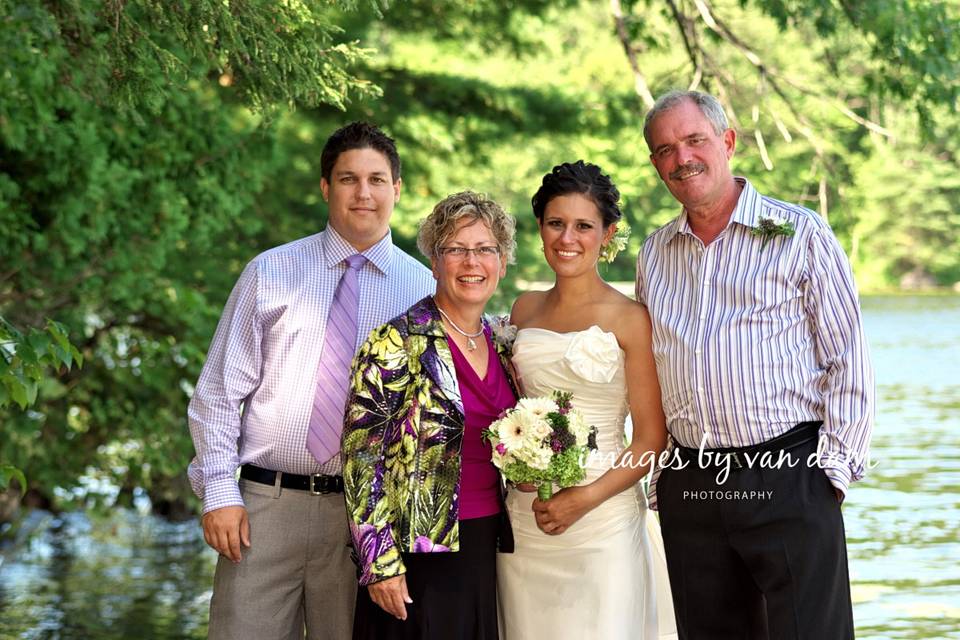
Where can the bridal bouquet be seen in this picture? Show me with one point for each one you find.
(542, 440)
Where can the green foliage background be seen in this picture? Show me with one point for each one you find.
(149, 149)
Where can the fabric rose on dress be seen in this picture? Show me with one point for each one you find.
(594, 354)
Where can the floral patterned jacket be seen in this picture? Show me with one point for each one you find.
(401, 444)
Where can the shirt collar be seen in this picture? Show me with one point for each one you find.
(745, 213)
(680, 225)
(336, 250)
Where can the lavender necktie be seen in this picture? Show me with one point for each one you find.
(333, 374)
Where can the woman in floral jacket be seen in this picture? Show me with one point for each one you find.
(424, 500)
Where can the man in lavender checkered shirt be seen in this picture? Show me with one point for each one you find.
(284, 569)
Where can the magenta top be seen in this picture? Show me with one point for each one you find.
(483, 402)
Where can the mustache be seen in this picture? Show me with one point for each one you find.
(693, 166)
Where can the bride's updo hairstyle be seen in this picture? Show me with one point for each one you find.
(584, 178)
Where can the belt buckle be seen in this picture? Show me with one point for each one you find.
(737, 464)
(324, 484)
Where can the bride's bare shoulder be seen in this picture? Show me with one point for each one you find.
(621, 307)
(526, 306)
(623, 316)
(632, 324)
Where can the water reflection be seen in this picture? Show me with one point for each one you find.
(121, 576)
(903, 520)
(128, 575)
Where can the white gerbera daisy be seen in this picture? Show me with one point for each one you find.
(513, 430)
(535, 429)
(538, 407)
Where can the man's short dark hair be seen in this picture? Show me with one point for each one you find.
(359, 135)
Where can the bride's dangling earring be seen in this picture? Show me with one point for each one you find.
(600, 255)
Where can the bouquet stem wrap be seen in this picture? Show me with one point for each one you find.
(545, 490)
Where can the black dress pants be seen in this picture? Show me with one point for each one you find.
(761, 556)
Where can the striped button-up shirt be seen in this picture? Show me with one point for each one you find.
(750, 340)
(253, 400)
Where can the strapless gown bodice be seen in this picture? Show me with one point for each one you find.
(590, 365)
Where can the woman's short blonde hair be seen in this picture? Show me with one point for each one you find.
(437, 228)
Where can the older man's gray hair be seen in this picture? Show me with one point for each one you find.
(709, 106)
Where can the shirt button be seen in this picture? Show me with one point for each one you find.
(698, 351)
(699, 389)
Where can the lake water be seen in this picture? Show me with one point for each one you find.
(134, 576)
(903, 519)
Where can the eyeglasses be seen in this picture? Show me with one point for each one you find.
(460, 253)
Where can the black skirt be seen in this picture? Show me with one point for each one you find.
(454, 594)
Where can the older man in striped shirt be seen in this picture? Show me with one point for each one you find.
(767, 389)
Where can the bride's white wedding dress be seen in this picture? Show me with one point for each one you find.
(605, 577)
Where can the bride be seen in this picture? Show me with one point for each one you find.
(588, 562)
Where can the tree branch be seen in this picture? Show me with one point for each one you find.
(720, 27)
(683, 25)
(639, 81)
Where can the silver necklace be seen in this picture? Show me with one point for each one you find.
(471, 345)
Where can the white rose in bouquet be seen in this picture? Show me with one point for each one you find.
(579, 427)
(538, 457)
(539, 430)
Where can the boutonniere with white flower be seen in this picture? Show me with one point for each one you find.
(502, 332)
(768, 228)
(617, 243)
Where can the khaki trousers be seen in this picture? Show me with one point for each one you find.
(296, 579)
